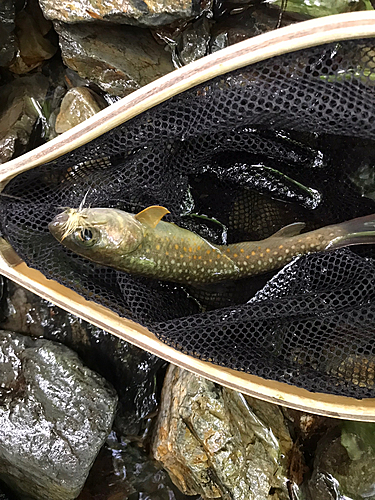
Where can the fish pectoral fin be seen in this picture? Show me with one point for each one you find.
(151, 216)
(290, 230)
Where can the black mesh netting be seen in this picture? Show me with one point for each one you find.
(235, 159)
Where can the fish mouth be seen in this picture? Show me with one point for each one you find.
(57, 225)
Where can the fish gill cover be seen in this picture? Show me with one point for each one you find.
(237, 158)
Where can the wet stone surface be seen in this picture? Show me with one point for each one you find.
(55, 415)
(20, 105)
(212, 442)
(344, 465)
(132, 371)
(124, 470)
(119, 60)
(34, 45)
(151, 13)
(78, 104)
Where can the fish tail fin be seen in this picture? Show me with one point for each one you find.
(359, 231)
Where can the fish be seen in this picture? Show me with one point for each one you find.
(143, 244)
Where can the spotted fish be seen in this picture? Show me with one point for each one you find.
(145, 245)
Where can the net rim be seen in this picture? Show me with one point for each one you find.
(291, 38)
(276, 392)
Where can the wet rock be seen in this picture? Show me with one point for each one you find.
(55, 415)
(23, 311)
(306, 429)
(20, 107)
(119, 59)
(197, 38)
(132, 371)
(152, 13)
(212, 442)
(7, 26)
(345, 464)
(33, 47)
(233, 29)
(194, 42)
(78, 104)
(123, 470)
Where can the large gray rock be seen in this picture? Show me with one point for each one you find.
(150, 13)
(120, 59)
(132, 371)
(214, 444)
(55, 415)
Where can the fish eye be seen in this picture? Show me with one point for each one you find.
(86, 234)
(86, 237)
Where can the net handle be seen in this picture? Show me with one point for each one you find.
(284, 40)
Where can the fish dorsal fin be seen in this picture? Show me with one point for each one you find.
(151, 216)
(290, 230)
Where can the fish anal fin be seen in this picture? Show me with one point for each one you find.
(290, 230)
(9, 254)
(151, 216)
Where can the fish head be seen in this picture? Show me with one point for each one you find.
(99, 234)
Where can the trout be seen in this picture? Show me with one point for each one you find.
(143, 244)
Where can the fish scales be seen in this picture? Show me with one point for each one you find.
(274, 252)
(184, 255)
(145, 245)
